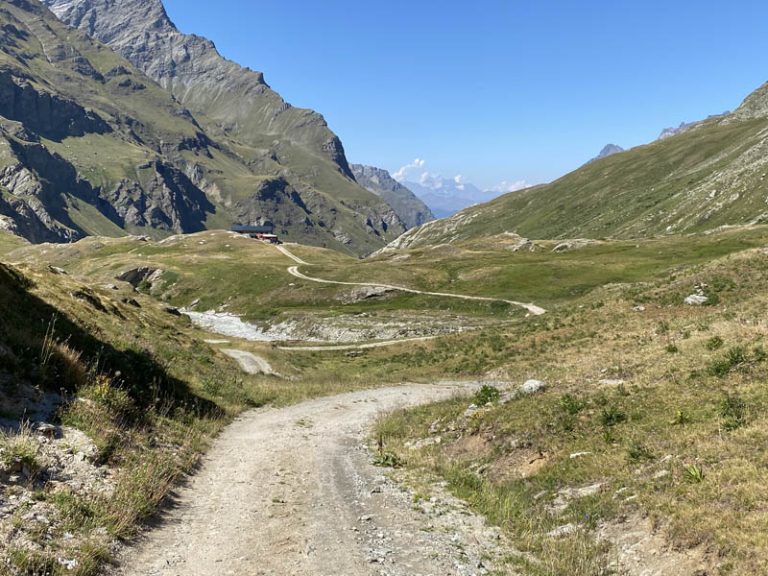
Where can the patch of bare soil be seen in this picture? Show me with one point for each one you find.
(642, 550)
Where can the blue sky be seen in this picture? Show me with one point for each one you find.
(494, 90)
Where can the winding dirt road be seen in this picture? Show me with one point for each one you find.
(294, 271)
(292, 492)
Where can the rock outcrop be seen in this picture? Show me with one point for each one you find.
(409, 208)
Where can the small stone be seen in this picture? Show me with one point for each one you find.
(579, 455)
(561, 531)
(611, 382)
(697, 299)
(46, 430)
(533, 387)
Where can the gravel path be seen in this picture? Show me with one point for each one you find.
(250, 363)
(291, 255)
(294, 271)
(369, 346)
(292, 491)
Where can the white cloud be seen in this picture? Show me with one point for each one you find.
(416, 172)
(403, 173)
(505, 186)
(432, 181)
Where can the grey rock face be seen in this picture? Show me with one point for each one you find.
(412, 211)
(47, 114)
(191, 68)
(169, 201)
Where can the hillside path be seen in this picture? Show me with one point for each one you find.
(250, 363)
(294, 271)
(292, 492)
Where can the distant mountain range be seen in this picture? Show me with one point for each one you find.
(446, 196)
(685, 126)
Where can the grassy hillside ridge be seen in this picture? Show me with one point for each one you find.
(132, 380)
(492, 267)
(710, 176)
(222, 271)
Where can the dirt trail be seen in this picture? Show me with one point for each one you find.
(369, 346)
(292, 492)
(250, 363)
(291, 255)
(294, 271)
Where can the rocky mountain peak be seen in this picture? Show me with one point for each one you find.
(80, 14)
(89, 144)
(236, 98)
(609, 150)
(755, 105)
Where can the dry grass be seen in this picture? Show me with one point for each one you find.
(668, 404)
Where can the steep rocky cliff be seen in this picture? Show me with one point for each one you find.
(292, 147)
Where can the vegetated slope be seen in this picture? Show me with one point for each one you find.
(713, 174)
(644, 450)
(105, 400)
(411, 210)
(305, 187)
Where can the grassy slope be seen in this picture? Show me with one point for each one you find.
(699, 180)
(139, 382)
(680, 441)
(693, 376)
(546, 278)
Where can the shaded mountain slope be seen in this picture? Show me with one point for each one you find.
(91, 145)
(305, 187)
(409, 208)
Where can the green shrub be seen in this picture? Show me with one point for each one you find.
(733, 410)
(388, 460)
(612, 415)
(487, 395)
(681, 418)
(693, 474)
(572, 405)
(639, 452)
(734, 358)
(714, 343)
